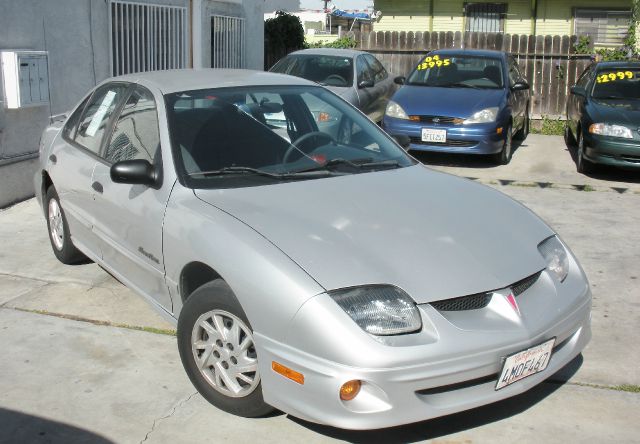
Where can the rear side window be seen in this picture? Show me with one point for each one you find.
(379, 73)
(69, 130)
(97, 114)
(363, 70)
(135, 135)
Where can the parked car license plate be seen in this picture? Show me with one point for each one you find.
(434, 135)
(525, 363)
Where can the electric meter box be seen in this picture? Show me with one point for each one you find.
(25, 78)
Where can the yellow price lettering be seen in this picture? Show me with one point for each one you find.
(620, 75)
(431, 62)
(629, 74)
(436, 57)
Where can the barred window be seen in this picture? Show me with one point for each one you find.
(606, 27)
(147, 37)
(227, 42)
(485, 17)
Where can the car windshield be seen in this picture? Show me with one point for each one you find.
(267, 134)
(458, 71)
(324, 69)
(617, 83)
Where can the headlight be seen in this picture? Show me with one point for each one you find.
(604, 129)
(395, 110)
(379, 310)
(485, 116)
(556, 256)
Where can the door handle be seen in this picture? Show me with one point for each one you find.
(97, 186)
(53, 158)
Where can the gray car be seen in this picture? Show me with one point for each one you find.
(356, 76)
(336, 280)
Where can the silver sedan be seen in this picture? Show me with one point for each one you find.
(356, 76)
(333, 278)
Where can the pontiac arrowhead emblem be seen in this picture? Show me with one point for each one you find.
(512, 301)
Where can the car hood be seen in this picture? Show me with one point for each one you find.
(452, 102)
(624, 112)
(434, 235)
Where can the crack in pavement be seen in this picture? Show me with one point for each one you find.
(171, 413)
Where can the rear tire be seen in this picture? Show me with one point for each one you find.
(216, 345)
(583, 166)
(504, 156)
(58, 229)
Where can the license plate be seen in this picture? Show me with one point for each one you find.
(434, 135)
(525, 363)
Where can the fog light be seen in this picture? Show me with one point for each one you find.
(350, 390)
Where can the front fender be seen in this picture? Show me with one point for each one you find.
(268, 284)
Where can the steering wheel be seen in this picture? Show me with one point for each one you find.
(335, 77)
(293, 147)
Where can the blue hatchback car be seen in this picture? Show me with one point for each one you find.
(461, 101)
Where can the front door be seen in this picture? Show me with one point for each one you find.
(128, 218)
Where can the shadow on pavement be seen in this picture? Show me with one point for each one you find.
(18, 427)
(458, 422)
(462, 160)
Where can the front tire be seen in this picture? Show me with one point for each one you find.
(218, 352)
(504, 156)
(583, 166)
(58, 228)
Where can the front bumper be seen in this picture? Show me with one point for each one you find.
(613, 151)
(399, 391)
(480, 138)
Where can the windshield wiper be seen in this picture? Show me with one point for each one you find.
(243, 170)
(357, 164)
(461, 85)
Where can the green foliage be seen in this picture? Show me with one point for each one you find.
(549, 127)
(284, 32)
(343, 42)
(583, 45)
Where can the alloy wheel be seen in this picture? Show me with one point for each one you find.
(56, 224)
(225, 353)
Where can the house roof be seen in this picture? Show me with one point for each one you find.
(175, 80)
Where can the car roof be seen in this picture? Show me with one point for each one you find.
(170, 81)
(330, 52)
(476, 52)
(616, 63)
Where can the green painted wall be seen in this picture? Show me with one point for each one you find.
(554, 16)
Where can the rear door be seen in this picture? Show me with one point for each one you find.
(128, 218)
(74, 156)
(366, 96)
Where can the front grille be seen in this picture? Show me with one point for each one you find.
(481, 300)
(521, 286)
(456, 143)
(473, 302)
(440, 119)
(634, 159)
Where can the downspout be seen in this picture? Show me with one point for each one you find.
(431, 15)
(534, 16)
(196, 33)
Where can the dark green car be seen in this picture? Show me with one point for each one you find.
(603, 116)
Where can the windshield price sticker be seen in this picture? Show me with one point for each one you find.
(613, 76)
(525, 363)
(430, 62)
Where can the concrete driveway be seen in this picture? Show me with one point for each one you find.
(85, 360)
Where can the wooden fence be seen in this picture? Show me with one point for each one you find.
(549, 62)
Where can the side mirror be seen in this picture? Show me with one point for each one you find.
(578, 91)
(520, 86)
(400, 80)
(134, 172)
(403, 140)
(365, 84)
